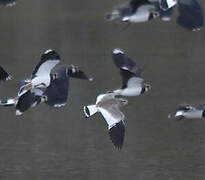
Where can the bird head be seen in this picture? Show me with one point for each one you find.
(147, 87)
(178, 115)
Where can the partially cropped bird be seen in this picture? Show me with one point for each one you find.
(109, 106)
(189, 112)
(134, 11)
(190, 12)
(132, 81)
(55, 95)
(190, 15)
(8, 2)
(4, 76)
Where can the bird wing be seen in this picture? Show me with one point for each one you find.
(4, 75)
(114, 118)
(128, 79)
(8, 2)
(122, 61)
(49, 59)
(57, 91)
(190, 14)
(166, 4)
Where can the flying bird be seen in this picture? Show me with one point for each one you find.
(55, 95)
(41, 76)
(135, 11)
(189, 112)
(4, 76)
(132, 80)
(109, 106)
(8, 2)
(166, 4)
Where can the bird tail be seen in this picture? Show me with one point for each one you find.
(90, 110)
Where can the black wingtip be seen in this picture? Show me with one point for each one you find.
(50, 54)
(4, 76)
(117, 134)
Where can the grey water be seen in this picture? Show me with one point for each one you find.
(58, 143)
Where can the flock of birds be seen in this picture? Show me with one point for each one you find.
(49, 83)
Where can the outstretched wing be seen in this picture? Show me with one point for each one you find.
(117, 134)
(114, 118)
(190, 14)
(57, 92)
(124, 62)
(49, 59)
(4, 76)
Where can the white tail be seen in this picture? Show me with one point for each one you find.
(90, 110)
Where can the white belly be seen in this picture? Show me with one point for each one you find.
(142, 14)
(132, 91)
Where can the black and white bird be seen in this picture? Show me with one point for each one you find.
(134, 11)
(189, 112)
(109, 106)
(132, 81)
(22, 103)
(190, 15)
(4, 76)
(190, 12)
(41, 76)
(55, 95)
(8, 2)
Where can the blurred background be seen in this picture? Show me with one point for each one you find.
(59, 144)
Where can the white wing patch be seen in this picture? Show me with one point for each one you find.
(171, 3)
(100, 97)
(46, 67)
(111, 121)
